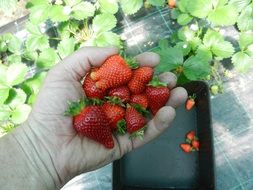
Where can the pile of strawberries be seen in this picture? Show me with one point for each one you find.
(119, 97)
(192, 143)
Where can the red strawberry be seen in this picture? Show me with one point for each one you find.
(134, 120)
(113, 73)
(190, 136)
(91, 121)
(91, 90)
(190, 102)
(120, 92)
(140, 78)
(195, 144)
(158, 94)
(114, 113)
(186, 147)
(140, 99)
(172, 3)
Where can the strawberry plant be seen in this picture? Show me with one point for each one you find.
(57, 28)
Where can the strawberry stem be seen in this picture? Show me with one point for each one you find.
(141, 110)
(156, 82)
(121, 127)
(139, 133)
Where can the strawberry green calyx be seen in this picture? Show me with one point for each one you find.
(76, 107)
(121, 127)
(132, 63)
(192, 97)
(155, 82)
(139, 133)
(141, 110)
(114, 100)
(95, 102)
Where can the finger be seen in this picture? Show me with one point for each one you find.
(148, 59)
(177, 97)
(156, 126)
(80, 62)
(168, 78)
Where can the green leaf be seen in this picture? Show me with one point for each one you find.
(186, 34)
(184, 19)
(182, 5)
(218, 3)
(199, 8)
(57, 13)
(156, 2)
(47, 58)
(223, 16)
(245, 19)
(163, 44)
(245, 39)
(175, 13)
(66, 47)
(35, 42)
(182, 79)
(108, 39)
(33, 29)
(3, 71)
(195, 68)
(130, 7)
(5, 112)
(14, 59)
(39, 13)
(212, 37)
(4, 91)
(109, 6)
(223, 49)
(36, 2)
(3, 46)
(16, 73)
(242, 62)
(239, 4)
(16, 97)
(72, 2)
(104, 22)
(32, 99)
(30, 54)
(184, 46)
(249, 50)
(204, 53)
(34, 83)
(83, 10)
(14, 45)
(170, 59)
(20, 114)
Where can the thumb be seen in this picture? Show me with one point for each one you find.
(80, 62)
(156, 126)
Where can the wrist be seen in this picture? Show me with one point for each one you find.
(32, 161)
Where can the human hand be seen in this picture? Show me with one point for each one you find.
(63, 152)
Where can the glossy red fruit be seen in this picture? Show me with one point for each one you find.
(93, 123)
(190, 102)
(114, 113)
(157, 97)
(186, 147)
(195, 144)
(90, 89)
(140, 78)
(140, 99)
(113, 73)
(134, 120)
(121, 92)
(190, 135)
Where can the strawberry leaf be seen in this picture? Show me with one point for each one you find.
(104, 22)
(16, 97)
(156, 2)
(245, 19)
(108, 39)
(39, 12)
(184, 19)
(212, 37)
(245, 39)
(196, 67)
(16, 73)
(47, 58)
(109, 6)
(242, 61)
(200, 8)
(182, 5)
(130, 7)
(4, 91)
(37, 42)
(57, 13)
(223, 49)
(83, 10)
(184, 46)
(66, 47)
(239, 4)
(223, 16)
(20, 113)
